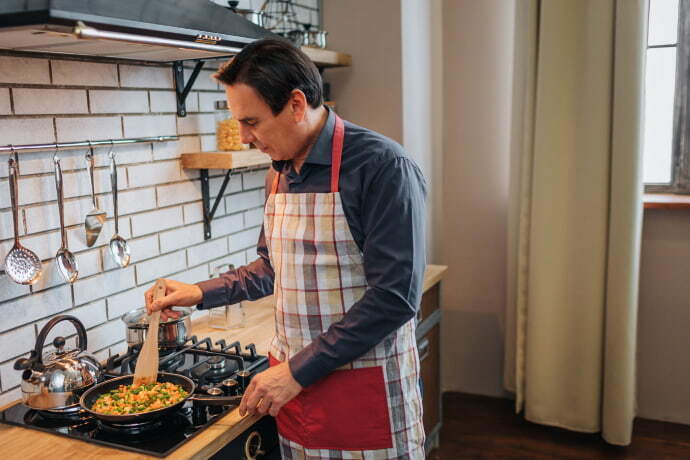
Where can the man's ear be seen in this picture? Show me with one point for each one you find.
(298, 105)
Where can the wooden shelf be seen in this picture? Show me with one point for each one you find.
(225, 160)
(666, 201)
(327, 58)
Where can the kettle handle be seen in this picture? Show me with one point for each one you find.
(40, 340)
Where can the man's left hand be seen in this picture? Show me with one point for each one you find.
(270, 390)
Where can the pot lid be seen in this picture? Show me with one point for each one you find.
(53, 356)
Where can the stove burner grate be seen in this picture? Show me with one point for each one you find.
(215, 369)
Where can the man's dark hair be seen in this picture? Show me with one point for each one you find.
(274, 68)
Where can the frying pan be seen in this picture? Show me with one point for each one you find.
(88, 399)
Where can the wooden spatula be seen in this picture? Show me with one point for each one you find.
(147, 363)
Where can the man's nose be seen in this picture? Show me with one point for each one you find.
(246, 135)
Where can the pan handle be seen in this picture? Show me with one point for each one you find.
(216, 400)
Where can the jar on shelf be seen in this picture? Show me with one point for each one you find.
(227, 129)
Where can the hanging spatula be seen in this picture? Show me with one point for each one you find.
(147, 363)
(93, 224)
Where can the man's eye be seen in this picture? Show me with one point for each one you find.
(250, 122)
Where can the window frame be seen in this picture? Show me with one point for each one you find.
(680, 156)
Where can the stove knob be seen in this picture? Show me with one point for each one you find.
(230, 387)
(243, 378)
(215, 392)
(199, 414)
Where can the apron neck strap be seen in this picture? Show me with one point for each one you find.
(336, 157)
(337, 152)
(274, 187)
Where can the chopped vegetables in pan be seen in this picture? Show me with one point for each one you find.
(133, 399)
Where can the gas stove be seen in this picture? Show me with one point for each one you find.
(216, 368)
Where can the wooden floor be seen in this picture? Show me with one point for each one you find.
(483, 427)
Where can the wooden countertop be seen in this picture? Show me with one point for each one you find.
(258, 329)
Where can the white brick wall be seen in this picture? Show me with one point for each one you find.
(202, 123)
(146, 76)
(114, 101)
(161, 267)
(154, 173)
(83, 73)
(24, 70)
(170, 150)
(207, 251)
(156, 221)
(182, 192)
(164, 101)
(181, 238)
(26, 131)
(37, 101)
(149, 125)
(160, 204)
(80, 128)
(5, 107)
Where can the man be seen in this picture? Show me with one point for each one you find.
(342, 250)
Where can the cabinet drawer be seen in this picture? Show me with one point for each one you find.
(430, 303)
(429, 356)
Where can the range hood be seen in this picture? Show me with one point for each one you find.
(143, 30)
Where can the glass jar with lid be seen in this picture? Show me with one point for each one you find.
(227, 128)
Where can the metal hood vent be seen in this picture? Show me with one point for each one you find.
(143, 30)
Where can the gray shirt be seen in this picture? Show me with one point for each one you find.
(383, 193)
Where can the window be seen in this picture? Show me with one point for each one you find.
(666, 160)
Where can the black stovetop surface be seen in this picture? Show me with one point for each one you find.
(163, 436)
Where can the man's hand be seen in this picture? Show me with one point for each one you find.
(270, 390)
(176, 294)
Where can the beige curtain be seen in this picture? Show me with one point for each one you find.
(575, 214)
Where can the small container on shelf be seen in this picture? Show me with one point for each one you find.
(227, 129)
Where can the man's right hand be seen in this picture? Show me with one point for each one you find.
(176, 294)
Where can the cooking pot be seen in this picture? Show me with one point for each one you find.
(257, 17)
(55, 381)
(317, 38)
(171, 333)
(298, 37)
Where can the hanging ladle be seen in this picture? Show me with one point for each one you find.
(119, 249)
(93, 223)
(66, 262)
(21, 264)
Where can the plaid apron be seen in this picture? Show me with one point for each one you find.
(370, 408)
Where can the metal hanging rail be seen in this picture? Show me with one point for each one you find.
(82, 144)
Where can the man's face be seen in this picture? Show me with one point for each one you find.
(276, 135)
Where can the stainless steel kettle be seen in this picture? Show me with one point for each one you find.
(54, 381)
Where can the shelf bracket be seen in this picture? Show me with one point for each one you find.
(209, 211)
(182, 89)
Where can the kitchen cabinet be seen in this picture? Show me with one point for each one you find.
(429, 346)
